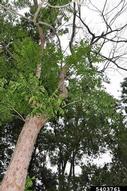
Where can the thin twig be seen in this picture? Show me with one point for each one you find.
(110, 60)
(71, 103)
(21, 117)
(58, 6)
(73, 28)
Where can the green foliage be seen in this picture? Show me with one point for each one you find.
(124, 92)
(10, 32)
(22, 3)
(27, 56)
(24, 92)
(51, 60)
(4, 110)
(59, 2)
(49, 14)
(9, 35)
(28, 95)
(29, 184)
(80, 54)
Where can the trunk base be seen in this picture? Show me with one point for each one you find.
(15, 176)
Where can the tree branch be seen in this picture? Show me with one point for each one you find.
(73, 28)
(21, 117)
(88, 29)
(37, 13)
(111, 60)
(58, 6)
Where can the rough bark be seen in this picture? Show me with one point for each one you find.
(62, 86)
(14, 179)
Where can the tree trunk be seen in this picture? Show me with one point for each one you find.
(14, 179)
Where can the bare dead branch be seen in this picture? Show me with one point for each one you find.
(111, 60)
(88, 29)
(58, 6)
(104, 7)
(122, 9)
(73, 28)
(115, 7)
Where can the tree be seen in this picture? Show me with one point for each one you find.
(34, 86)
(115, 173)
